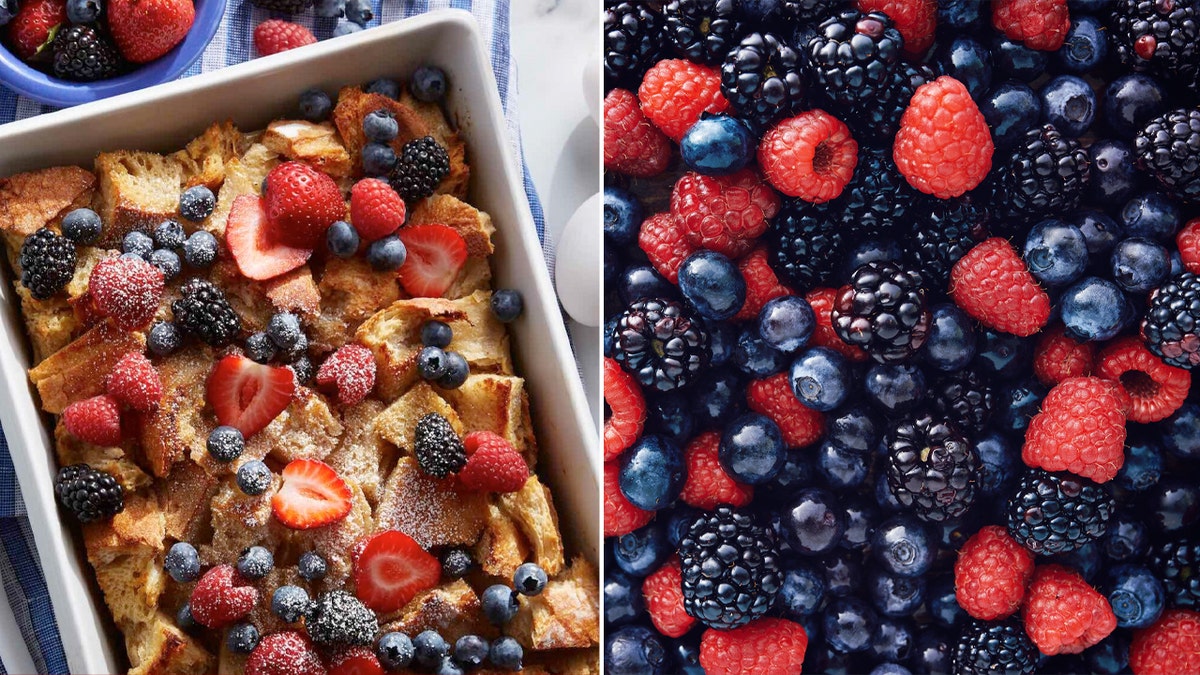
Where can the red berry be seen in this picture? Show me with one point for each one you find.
(312, 495)
(762, 285)
(436, 255)
(301, 204)
(1081, 429)
(1063, 614)
(800, 425)
(665, 244)
(392, 569)
(1058, 356)
(221, 597)
(285, 653)
(96, 420)
(1038, 24)
(674, 92)
(248, 395)
(663, 593)
(1156, 389)
(915, 19)
(349, 372)
(276, 35)
(135, 383)
(127, 289)
(724, 214)
(991, 574)
(493, 464)
(992, 284)
(822, 300)
(1188, 242)
(355, 661)
(620, 516)
(375, 209)
(811, 156)
(1169, 646)
(707, 483)
(944, 147)
(624, 398)
(30, 28)
(145, 30)
(632, 145)
(252, 242)
(766, 645)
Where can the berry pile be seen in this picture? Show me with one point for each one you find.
(903, 309)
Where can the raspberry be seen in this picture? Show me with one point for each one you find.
(350, 372)
(674, 93)
(707, 482)
(822, 300)
(493, 465)
(761, 284)
(800, 425)
(221, 597)
(1169, 646)
(723, 214)
(1058, 356)
(624, 398)
(944, 147)
(663, 593)
(127, 289)
(375, 209)
(810, 156)
(1038, 24)
(991, 574)
(135, 382)
(284, 653)
(1063, 614)
(96, 420)
(665, 244)
(915, 19)
(1080, 429)
(1188, 241)
(1156, 390)
(766, 645)
(276, 35)
(632, 145)
(620, 517)
(992, 284)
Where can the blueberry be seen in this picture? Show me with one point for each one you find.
(448, 666)
(167, 262)
(667, 415)
(895, 596)
(967, 61)
(260, 348)
(849, 624)
(1095, 309)
(686, 655)
(1151, 214)
(842, 571)
(1181, 432)
(182, 562)
(895, 388)
(892, 644)
(457, 370)
(386, 254)
(1055, 252)
(431, 363)
(1130, 101)
(1140, 265)
(798, 470)
(717, 396)
(529, 579)
(82, 226)
(253, 477)
(642, 281)
(1110, 656)
(612, 264)
(820, 378)
(903, 546)
(499, 604)
(623, 601)
(652, 473)
(1173, 504)
(721, 337)
(841, 468)
(872, 250)
(163, 339)
(242, 638)
(1114, 177)
(1086, 45)
(359, 12)
(640, 552)
(632, 650)
(329, 9)
(200, 249)
(169, 235)
(754, 357)
(998, 463)
(395, 651)
(1002, 354)
(184, 618)
(342, 239)
(138, 243)
(225, 444)
(802, 590)
(622, 215)
(813, 522)
(456, 562)
(429, 648)
(1013, 59)
(1136, 595)
(507, 305)
(436, 334)
(470, 651)
(83, 11)
(1100, 232)
(1125, 538)
(378, 159)
(315, 105)
(786, 323)
(428, 83)
(380, 126)
(752, 449)
(717, 145)
(303, 368)
(290, 603)
(712, 284)
(854, 428)
(933, 652)
(345, 28)
(1016, 404)
(960, 14)
(197, 203)
(942, 601)
(255, 563)
(1010, 109)
(950, 344)
(312, 566)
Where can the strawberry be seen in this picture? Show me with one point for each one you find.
(135, 382)
(248, 395)
(355, 661)
(493, 465)
(144, 30)
(252, 242)
(276, 35)
(284, 653)
(301, 204)
(350, 372)
(96, 420)
(391, 570)
(30, 29)
(375, 209)
(221, 597)
(126, 289)
(436, 254)
(312, 495)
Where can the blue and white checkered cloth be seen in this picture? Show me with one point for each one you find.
(20, 573)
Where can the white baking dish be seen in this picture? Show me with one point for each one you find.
(164, 118)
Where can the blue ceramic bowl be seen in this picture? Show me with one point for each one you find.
(35, 84)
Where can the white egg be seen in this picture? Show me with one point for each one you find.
(591, 83)
(579, 256)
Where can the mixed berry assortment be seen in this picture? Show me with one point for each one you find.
(903, 304)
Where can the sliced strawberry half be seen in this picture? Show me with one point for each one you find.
(355, 661)
(248, 395)
(436, 254)
(391, 570)
(312, 495)
(252, 242)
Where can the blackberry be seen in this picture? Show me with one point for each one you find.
(942, 232)
(1045, 176)
(1161, 38)
(660, 343)
(438, 449)
(89, 493)
(761, 78)
(632, 36)
(284, 6)
(204, 311)
(1177, 564)
(985, 648)
(702, 31)
(47, 263)
(338, 619)
(931, 467)
(966, 398)
(805, 244)
(1168, 147)
(730, 568)
(807, 11)
(1053, 513)
(82, 54)
(1172, 324)
(883, 311)
(877, 197)
(422, 165)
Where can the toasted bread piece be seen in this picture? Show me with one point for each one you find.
(427, 510)
(295, 292)
(77, 371)
(532, 508)
(203, 160)
(398, 422)
(185, 497)
(394, 336)
(137, 190)
(159, 647)
(350, 293)
(178, 428)
(362, 455)
(315, 144)
(474, 225)
(29, 201)
(336, 541)
(250, 301)
(243, 176)
(354, 104)
(240, 520)
(564, 615)
(307, 429)
(456, 182)
(475, 276)
(54, 322)
(501, 548)
(564, 662)
(139, 529)
(499, 404)
(71, 450)
(453, 610)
